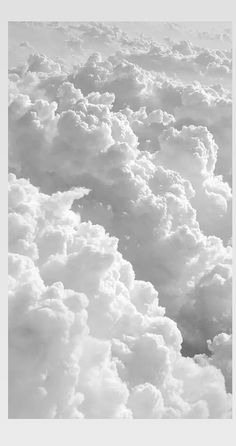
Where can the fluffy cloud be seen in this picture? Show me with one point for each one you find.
(148, 126)
(211, 107)
(193, 153)
(154, 211)
(117, 147)
(210, 306)
(42, 64)
(135, 87)
(221, 356)
(190, 104)
(184, 59)
(86, 37)
(221, 348)
(85, 338)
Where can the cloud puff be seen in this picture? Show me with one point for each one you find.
(40, 63)
(136, 195)
(211, 107)
(210, 301)
(148, 126)
(177, 57)
(190, 104)
(120, 146)
(221, 348)
(86, 37)
(221, 356)
(183, 59)
(193, 153)
(85, 338)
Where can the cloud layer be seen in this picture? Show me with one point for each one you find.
(120, 209)
(85, 338)
(165, 206)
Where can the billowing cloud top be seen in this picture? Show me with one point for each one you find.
(86, 338)
(120, 212)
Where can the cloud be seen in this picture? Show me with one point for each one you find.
(221, 348)
(190, 104)
(135, 87)
(183, 59)
(77, 303)
(221, 357)
(192, 152)
(26, 44)
(119, 210)
(211, 300)
(211, 107)
(83, 38)
(148, 126)
(155, 203)
(40, 63)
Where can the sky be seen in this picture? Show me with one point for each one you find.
(120, 220)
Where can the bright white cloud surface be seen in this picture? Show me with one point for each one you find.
(120, 209)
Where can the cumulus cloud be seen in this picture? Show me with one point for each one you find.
(153, 202)
(191, 104)
(184, 59)
(215, 286)
(211, 107)
(87, 37)
(119, 208)
(221, 356)
(74, 302)
(193, 153)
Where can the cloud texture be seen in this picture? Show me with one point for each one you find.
(85, 338)
(120, 211)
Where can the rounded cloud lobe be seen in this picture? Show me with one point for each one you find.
(86, 339)
(120, 211)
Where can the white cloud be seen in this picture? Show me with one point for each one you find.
(122, 150)
(41, 63)
(211, 300)
(190, 104)
(221, 356)
(211, 107)
(155, 212)
(221, 347)
(78, 305)
(193, 153)
(183, 60)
